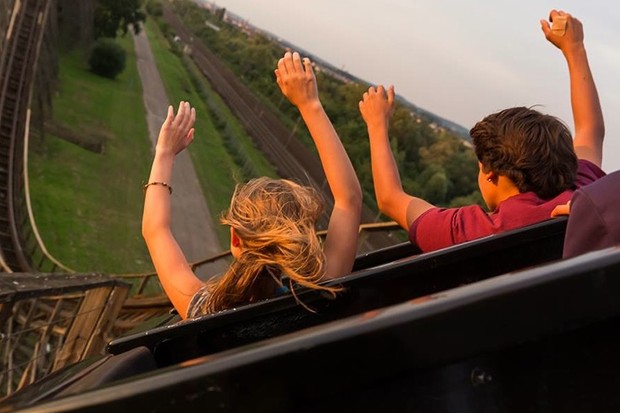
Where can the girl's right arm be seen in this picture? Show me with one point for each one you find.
(298, 83)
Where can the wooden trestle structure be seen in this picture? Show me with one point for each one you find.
(49, 316)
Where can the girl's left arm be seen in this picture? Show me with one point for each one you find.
(178, 280)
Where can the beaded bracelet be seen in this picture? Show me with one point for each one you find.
(158, 183)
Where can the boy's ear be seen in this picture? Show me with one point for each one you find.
(487, 173)
(490, 176)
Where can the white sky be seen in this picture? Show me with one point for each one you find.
(459, 59)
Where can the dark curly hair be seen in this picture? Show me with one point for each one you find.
(534, 150)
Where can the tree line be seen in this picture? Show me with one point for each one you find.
(435, 163)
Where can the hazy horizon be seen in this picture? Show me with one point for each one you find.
(459, 60)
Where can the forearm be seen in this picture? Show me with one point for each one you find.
(341, 176)
(385, 175)
(156, 214)
(587, 113)
(175, 274)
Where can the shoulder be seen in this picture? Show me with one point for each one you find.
(442, 227)
(602, 194)
(194, 309)
(587, 172)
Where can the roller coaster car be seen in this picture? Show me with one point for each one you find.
(437, 332)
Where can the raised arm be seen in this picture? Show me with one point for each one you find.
(376, 108)
(566, 33)
(174, 273)
(298, 83)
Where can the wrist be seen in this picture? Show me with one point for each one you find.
(313, 105)
(163, 153)
(574, 50)
(377, 127)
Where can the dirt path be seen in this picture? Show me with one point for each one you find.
(192, 222)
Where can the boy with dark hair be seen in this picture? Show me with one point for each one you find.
(527, 160)
(534, 150)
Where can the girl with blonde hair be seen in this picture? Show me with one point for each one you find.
(272, 221)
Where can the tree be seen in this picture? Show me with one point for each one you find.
(114, 15)
(155, 8)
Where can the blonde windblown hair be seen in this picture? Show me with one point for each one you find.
(275, 221)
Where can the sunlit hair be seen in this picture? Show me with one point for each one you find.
(275, 221)
(533, 149)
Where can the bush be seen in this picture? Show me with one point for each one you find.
(107, 58)
(154, 8)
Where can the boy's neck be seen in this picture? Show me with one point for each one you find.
(505, 189)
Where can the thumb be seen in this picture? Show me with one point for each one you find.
(546, 28)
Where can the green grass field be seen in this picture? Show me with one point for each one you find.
(88, 205)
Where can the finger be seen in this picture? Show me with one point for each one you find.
(288, 62)
(560, 210)
(297, 62)
(190, 117)
(169, 115)
(282, 67)
(552, 14)
(546, 28)
(390, 94)
(185, 117)
(180, 113)
(279, 81)
(182, 116)
(559, 25)
(381, 90)
(308, 66)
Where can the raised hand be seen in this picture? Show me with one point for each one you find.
(563, 30)
(377, 106)
(296, 79)
(177, 132)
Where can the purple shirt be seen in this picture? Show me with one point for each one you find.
(442, 227)
(594, 220)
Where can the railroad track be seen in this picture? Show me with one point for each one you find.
(292, 159)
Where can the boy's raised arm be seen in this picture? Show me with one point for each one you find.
(297, 81)
(376, 108)
(566, 33)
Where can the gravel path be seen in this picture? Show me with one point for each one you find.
(192, 222)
